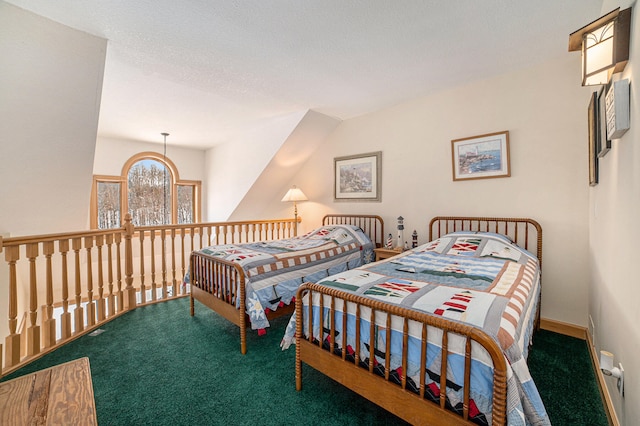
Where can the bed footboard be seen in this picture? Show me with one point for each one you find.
(220, 285)
(375, 377)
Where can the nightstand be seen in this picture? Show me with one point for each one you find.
(385, 253)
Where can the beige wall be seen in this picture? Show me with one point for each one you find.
(614, 213)
(50, 88)
(543, 108)
(233, 167)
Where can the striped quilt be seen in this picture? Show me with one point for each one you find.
(482, 279)
(275, 269)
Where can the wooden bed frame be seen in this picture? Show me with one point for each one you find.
(410, 406)
(217, 283)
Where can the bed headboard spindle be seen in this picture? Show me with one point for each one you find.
(372, 225)
(525, 232)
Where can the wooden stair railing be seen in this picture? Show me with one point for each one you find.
(68, 284)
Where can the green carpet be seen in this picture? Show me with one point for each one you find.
(158, 365)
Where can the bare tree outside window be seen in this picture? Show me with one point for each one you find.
(109, 205)
(149, 195)
(185, 203)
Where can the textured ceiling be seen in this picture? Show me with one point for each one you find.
(209, 71)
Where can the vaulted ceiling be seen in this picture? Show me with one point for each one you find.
(209, 71)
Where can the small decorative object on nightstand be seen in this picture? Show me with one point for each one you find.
(414, 237)
(389, 243)
(400, 232)
(385, 253)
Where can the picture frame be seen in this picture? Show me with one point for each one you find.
(481, 157)
(603, 142)
(592, 119)
(358, 177)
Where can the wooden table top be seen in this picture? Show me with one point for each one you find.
(60, 395)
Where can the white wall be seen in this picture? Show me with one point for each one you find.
(233, 167)
(543, 108)
(294, 152)
(50, 85)
(614, 213)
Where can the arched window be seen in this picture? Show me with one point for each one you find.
(149, 189)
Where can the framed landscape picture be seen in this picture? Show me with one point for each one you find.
(481, 157)
(358, 177)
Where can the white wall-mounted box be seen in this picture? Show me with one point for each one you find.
(617, 109)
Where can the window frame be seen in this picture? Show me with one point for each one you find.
(124, 189)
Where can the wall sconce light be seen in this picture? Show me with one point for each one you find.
(606, 365)
(605, 46)
(294, 195)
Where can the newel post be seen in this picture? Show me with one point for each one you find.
(129, 291)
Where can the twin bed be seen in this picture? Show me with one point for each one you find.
(449, 325)
(250, 284)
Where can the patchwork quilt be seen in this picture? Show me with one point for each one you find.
(275, 269)
(481, 279)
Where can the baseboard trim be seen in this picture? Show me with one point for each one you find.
(581, 333)
(604, 390)
(563, 328)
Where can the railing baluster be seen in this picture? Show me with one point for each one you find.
(33, 331)
(101, 308)
(91, 306)
(78, 311)
(143, 292)
(111, 296)
(49, 323)
(152, 238)
(163, 240)
(129, 291)
(12, 342)
(174, 282)
(65, 318)
(183, 260)
(119, 292)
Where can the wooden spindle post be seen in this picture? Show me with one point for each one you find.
(152, 237)
(12, 342)
(183, 260)
(65, 318)
(129, 291)
(174, 281)
(111, 300)
(163, 240)
(101, 303)
(143, 291)
(49, 325)
(119, 292)
(78, 312)
(33, 331)
(91, 305)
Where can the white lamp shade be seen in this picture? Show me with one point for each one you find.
(605, 46)
(598, 59)
(294, 194)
